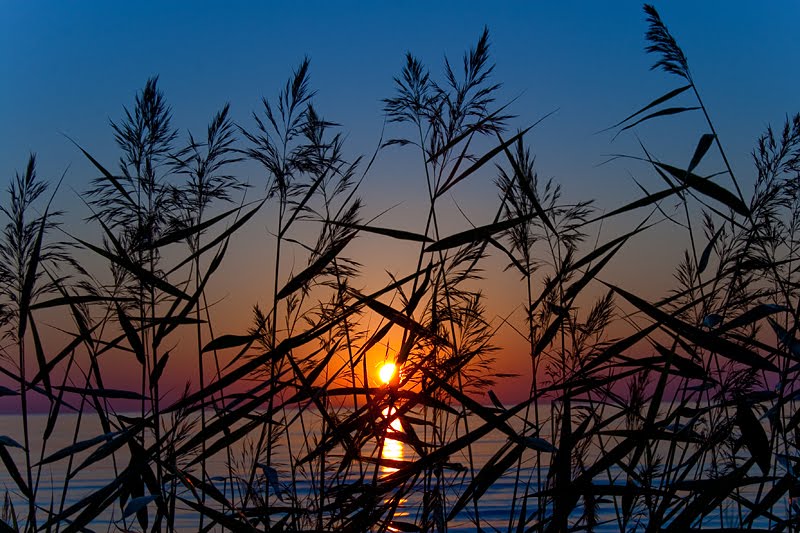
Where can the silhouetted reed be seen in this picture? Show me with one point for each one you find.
(674, 414)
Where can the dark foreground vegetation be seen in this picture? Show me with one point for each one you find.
(687, 420)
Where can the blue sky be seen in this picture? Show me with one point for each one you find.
(70, 67)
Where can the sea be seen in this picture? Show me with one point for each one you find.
(492, 512)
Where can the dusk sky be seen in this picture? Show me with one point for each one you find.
(70, 67)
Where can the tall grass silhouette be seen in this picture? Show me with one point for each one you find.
(674, 414)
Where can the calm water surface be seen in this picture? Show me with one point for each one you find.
(493, 509)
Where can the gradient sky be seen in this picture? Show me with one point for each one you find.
(69, 67)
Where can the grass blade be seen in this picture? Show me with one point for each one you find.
(476, 235)
(76, 448)
(155, 375)
(135, 505)
(229, 341)
(396, 317)
(684, 367)
(712, 343)
(706, 255)
(502, 460)
(469, 131)
(131, 335)
(224, 236)
(183, 233)
(30, 278)
(707, 187)
(139, 272)
(754, 437)
(313, 270)
(388, 232)
(8, 441)
(752, 315)
(488, 156)
(40, 357)
(660, 100)
(661, 113)
(13, 471)
(107, 175)
(75, 299)
(118, 394)
(526, 187)
(702, 148)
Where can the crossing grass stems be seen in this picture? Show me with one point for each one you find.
(685, 419)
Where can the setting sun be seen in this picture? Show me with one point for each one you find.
(386, 372)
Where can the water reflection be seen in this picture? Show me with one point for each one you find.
(393, 449)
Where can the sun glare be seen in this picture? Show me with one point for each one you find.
(386, 372)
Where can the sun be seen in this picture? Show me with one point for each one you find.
(386, 372)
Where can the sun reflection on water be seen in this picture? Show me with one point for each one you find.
(392, 449)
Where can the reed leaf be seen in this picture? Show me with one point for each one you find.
(313, 270)
(775, 494)
(108, 176)
(495, 467)
(468, 131)
(135, 505)
(118, 394)
(388, 232)
(752, 315)
(684, 367)
(712, 343)
(702, 148)
(131, 334)
(110, 446)
(707, 187)
(661, 113)
(754, 437)
(41, 359)
(402, 320)
(229, 341)
(192, 483)
(95, 505)
(165, 328)
(660, 100)
(526, 187)
(707, 495)
(702, 263)
(5, 440)
(65, 352)
(156, 373)
(603, 248)
(140, 273)
(222, 237)
(646, 200)
(13, 471)
(488, 156)
(77, 448)
(575, 288)
(184, 233)
(225, 520)
(476, 235)
(507, 252)
(79, 299)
